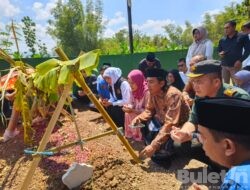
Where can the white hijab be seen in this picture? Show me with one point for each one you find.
(114, 73)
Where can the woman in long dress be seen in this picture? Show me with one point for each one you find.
(139, 98)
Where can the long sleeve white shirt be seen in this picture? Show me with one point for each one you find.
(126, 95)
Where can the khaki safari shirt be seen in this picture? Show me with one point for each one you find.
(226, 90)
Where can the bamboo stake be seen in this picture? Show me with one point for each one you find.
(107, 117)
(100, 108)
(7, 58)
(15, 38)
(46, 137)
(82, 141)
(64, 57)
(75, 124)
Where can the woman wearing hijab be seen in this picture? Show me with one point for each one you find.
(138, 101)
(174, 79)
(242, 80)
(201, 45)
(120, 93)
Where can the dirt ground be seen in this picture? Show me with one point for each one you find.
(113, 165)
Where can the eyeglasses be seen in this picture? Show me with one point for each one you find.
(181, 65)
(197, 135)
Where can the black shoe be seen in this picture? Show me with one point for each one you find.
(162, 161)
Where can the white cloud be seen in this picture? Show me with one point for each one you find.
(37, 5)
(108, 33)
(152, 27)
(117, 20)
(236, 1)
(42, 11)
(8, 9)
(41, 34)
(212, 12)
(114, 24)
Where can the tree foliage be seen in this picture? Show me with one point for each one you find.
(29, 31)
(76, 28)
(5, 41)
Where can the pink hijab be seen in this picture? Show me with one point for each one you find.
(138, 78)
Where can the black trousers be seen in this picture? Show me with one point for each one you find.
(187, 149)
(166, 148)
(195, 151)
(117, 115)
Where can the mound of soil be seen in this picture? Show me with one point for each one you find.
(113, 165)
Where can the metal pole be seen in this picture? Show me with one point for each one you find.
(131, 47)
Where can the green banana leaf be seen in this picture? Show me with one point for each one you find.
(53, 72)
(46, 80)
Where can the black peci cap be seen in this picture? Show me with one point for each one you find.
(107, 64)
(150, 57)
(155, 72)
(230, 115)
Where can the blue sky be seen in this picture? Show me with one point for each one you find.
(148, 16)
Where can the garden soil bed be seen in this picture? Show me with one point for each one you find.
(113, 165)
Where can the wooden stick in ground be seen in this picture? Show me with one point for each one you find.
(64, 57)
(100, 108)
(46, 136)
(107, 118)
(15, 38)
(82, 141)
(75, 124)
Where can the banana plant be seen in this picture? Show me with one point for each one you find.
(43, 85)
(23, 88)
(66, 72)
(52, 73)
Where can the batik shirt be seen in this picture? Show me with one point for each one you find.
(238, 177)
(169, 108)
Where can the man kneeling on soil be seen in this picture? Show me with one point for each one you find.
(207, 82)
(165, 108)
(223, 127)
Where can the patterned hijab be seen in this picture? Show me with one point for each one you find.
(114, 73)
(138, 78)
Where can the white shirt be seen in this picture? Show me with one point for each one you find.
(184, 77)
(126, 95)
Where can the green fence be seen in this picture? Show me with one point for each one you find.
(125, 62)
(128, 62)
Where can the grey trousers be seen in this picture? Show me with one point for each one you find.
(227, 73)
